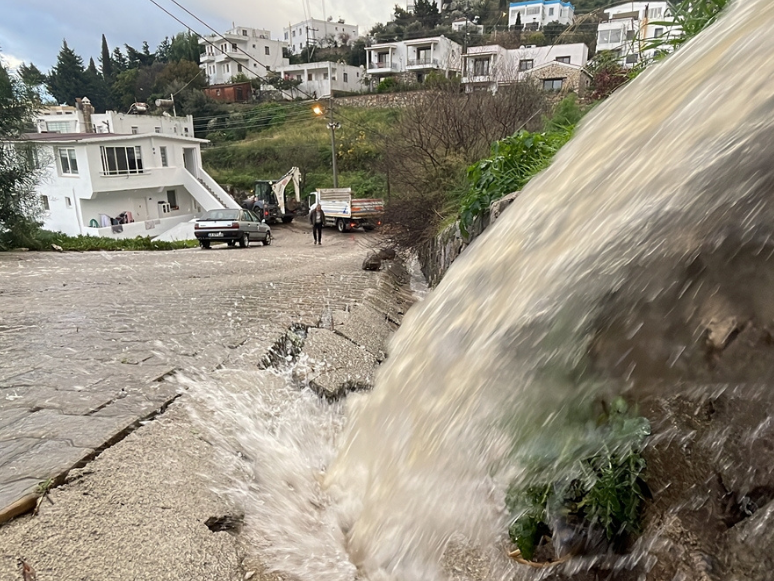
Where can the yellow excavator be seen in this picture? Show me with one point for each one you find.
(269, 201)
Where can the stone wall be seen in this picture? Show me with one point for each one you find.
(576, 80)
(383, 100)
(438, 254)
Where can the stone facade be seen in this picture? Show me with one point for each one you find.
(574, 78)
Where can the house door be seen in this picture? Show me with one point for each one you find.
(189, 160)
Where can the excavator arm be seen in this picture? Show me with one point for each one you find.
(279, 186)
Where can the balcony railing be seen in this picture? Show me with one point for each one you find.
(424, 62)
(381, 65)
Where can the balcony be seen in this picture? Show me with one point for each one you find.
(476, 79)
(377, 68)
(423, 63)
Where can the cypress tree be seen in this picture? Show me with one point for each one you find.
(105, 62)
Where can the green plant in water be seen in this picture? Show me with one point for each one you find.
(604, 491)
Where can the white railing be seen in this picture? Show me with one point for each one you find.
(220, 193)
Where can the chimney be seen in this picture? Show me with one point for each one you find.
(87, 112)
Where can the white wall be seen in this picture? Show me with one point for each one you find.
(318, 32)
(319, 86)
(541, 12)
(250, 54)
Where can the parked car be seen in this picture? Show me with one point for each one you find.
(231, 226)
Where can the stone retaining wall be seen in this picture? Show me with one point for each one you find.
(438, 254)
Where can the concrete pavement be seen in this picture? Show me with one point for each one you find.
(91, 344)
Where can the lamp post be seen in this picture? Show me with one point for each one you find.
(333, 126)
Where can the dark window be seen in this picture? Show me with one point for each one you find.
(233, 47)
(629, 35)
(481, 67)
(346, 78)
(44, 201)
(266, 50)
(632, 58)
(553, 84)
(121, 160)
(563, 59)
(163, 152)
(526, 64)
(172, 198)
(659, 32)
(68, 161)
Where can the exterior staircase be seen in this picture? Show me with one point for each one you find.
(214, 194)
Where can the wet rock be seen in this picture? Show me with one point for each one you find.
(335, 365)
(372, 262)
(367, 328)
(387, 253)
(57, 248)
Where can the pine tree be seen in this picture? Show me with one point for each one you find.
(119, 62)
(106, 62)
(33, 80)
(67, 80)
(96, 88)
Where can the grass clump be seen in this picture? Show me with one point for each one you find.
(599, 503)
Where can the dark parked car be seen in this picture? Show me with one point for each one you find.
(231, 226)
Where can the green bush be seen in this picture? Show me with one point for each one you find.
(387, 85)
(603, 492)
(44, 239)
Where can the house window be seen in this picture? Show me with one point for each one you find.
(244, 33)
(234, 47)
(325, 76)
(533, 10)
(185, 130)
(563, 59)
(609, 36)
(309, 76)
(286, 36)
(629, 35)
(346, 78)
(135, 130)
(44, 202)
(550, 11)
(157, 129)
(227, 68)
(67, 161)
(298, 77)
(266, 50)
(481, 67)
(526, 64)
(553, 84)
(239, 68)
(172, 199)
(121, 160)
(659, 32)
(163, 152)
(68, 202)
(294, 34)
(654, 13)
(58, 126)
(632, 58)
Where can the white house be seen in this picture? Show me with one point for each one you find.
(249, 51)
(558, 67)
(323, 79)
(418, 57)
(465, 25)
(535, 14)
(81, 119)
(314, 32)
(630, 28)
(148, 182)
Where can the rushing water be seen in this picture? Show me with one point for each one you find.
(492, 368)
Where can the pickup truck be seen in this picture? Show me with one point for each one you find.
(345, 212)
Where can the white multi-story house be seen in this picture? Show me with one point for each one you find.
(418, 57)
(466, 26)
(323, 79)
(558, 67)
(315, 32)
(250, 51)
(122, 186)
(535, 14)
(630, 29)
(80, 119)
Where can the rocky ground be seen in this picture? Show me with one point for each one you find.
(91, 415)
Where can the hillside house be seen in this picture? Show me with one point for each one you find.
(323, 79)
(122, 186)
(630, 28)
(558, 67)
(417, 57)
(241, 50)
(535, 14)
(316, 33)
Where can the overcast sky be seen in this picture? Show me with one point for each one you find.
(33, 30)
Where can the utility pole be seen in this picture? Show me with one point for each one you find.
(333, 126)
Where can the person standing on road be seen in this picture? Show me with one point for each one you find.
(317, 218)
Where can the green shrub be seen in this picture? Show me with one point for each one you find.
(603, 492)
(387, 85)
(44, 239)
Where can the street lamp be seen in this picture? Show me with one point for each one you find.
(333, 126)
